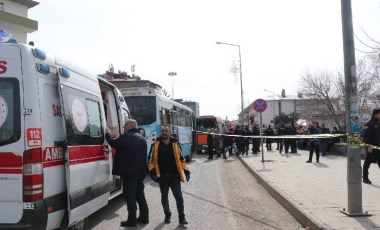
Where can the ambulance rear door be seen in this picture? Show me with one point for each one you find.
(87, 162)
(12, 143)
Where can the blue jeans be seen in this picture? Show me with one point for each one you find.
(231, 148)
(324, 146)
(133, 190)
(171, 181)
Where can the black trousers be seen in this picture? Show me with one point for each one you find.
(293, 145)
(312, 147)
(171, 181)
(133, 190)
(210, 151)
(370, 158)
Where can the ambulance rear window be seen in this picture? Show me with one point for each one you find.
(83, 118)
(10, 115)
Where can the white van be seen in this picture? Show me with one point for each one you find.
(55, 165)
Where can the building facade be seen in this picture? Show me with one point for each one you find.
(308, 109)
(14, 18)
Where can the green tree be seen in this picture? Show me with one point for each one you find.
(286, 118)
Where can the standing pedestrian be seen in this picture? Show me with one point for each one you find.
(314, 142)
(130, 164)
(167, 166)
(269, 132)
(255, 141)
(281, 132)
(325, 141)
(293, 141)
(246, 133)
(371, 136)
(227, 143)
(210, 144)
(287, 140)
(239, 139)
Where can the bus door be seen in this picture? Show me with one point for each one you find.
(87, 164)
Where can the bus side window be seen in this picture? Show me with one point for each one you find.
(165, 117)
(175, 117)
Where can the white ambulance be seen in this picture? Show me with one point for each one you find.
(55, 165)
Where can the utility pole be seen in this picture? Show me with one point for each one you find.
(354, 169)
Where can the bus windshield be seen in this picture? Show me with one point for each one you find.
(142, 108)
(10, 115)
(206, 123)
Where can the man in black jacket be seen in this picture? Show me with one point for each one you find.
(255, 141)
(130, 164)
(227, 142)
(281, 132)
(269, 132)
(371, 136)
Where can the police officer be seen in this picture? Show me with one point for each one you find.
(255, 141)
(269, 132)
(371, 136)
(293, 141)
(239, 139)
(281, 132)
(210, 144)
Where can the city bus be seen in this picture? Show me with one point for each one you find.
(209, 123)
(151, 109)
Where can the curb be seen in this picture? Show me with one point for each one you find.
(287, 202)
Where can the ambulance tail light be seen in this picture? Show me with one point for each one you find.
(33, 175)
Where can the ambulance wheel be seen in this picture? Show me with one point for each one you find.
(81, 225)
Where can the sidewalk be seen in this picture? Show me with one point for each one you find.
(315, 193)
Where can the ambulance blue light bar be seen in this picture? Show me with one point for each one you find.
(43, 68)
(12, 40)
(63, 72)
(39, 54)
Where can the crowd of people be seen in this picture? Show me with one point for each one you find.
(168, 167)
(237, 140)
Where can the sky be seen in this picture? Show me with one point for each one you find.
(278, 39)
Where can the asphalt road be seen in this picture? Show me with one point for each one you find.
(221, 194)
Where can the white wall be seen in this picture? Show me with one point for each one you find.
(15, 8)
(19, 35)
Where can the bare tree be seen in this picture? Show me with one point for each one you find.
(321, 96)
(325, 92)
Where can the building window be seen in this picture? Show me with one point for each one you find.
(1, 6)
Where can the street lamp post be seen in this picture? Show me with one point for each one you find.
(241, 77)
(172, 74)
(274, 113)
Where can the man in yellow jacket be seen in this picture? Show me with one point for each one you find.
(167, 166)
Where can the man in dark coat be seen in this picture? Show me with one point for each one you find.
(130, 163)
(227, 143)
(314, 142)
(246, 132)
(371, 136)
(324, 141)
(292, 141)
(281, 132)
(255, 141)
(269, 132)
(210, 144)
(239, 139)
